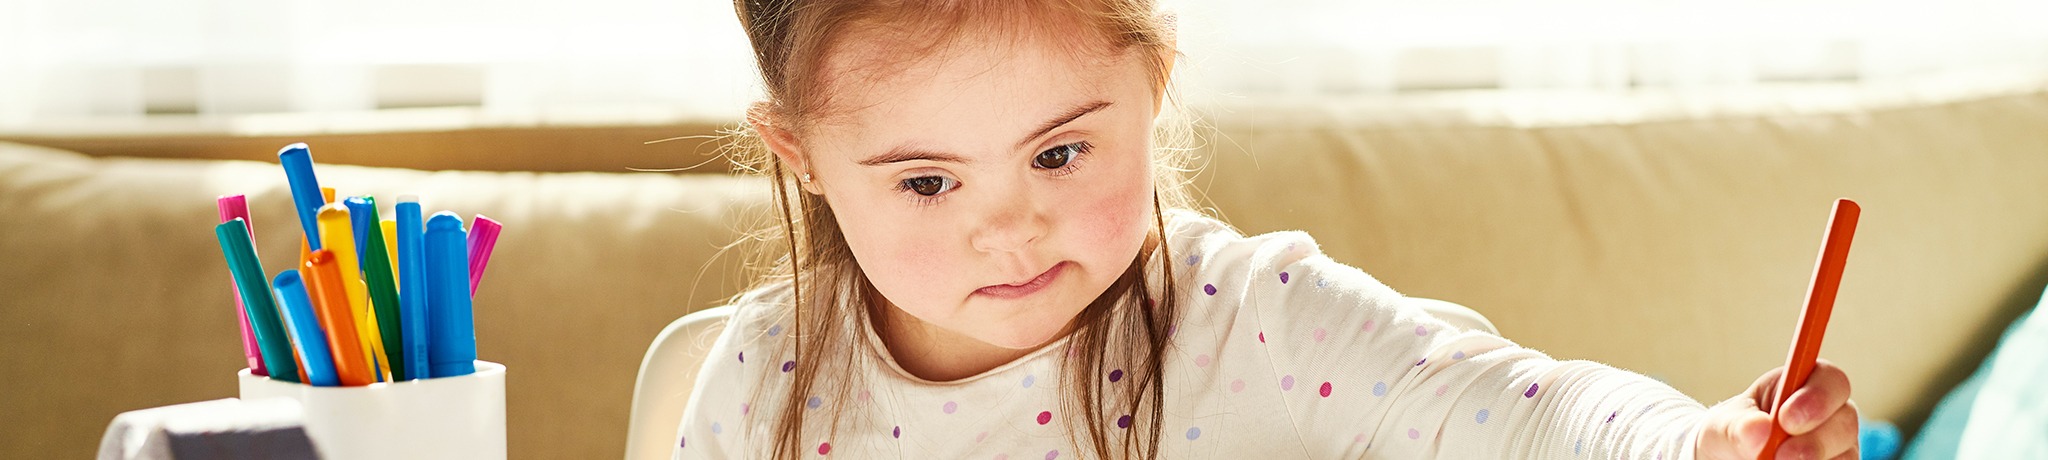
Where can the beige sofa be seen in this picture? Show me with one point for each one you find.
(1668, 234)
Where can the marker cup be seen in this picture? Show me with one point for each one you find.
(447, 417)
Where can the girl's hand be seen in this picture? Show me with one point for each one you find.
(1820, 419)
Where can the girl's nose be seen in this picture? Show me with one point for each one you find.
(1013, 228)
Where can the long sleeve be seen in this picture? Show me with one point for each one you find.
(1362, 375)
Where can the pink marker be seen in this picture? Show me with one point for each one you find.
(233, 207)
(483, 235)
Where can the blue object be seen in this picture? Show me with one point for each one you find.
(298, 174)
(451, 341)
(307, 336)
(1999, 412)
(412, 287)
(1877, 440)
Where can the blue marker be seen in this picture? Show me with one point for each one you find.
(298, 173)
(412, 287)
(451, 327)
(307, 336)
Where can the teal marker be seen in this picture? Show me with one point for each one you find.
(271, 340)
(307, 336)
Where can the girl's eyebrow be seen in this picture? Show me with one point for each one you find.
(908, 153)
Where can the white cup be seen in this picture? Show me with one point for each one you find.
(447, 417)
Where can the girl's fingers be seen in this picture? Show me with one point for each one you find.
(1824, 394)
(1832, 438)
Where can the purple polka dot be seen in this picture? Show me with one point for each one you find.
(1413, 434)
(814, 402)
(1531, 393)
(1322, 282)
(1423, 360)
(788, 366)
(1481, 416)
(716, 428)
(949, 407)
(1194, 259)
(1237, 386)
(1421, 331)
(1194, 432)
(1610, 417)
(1052, 454)
(1209, 289)
(1044, 417)
(743, 356)
(1325, 390)
(1287, 382)
(682, 441)
(1116, 375)
(1379, 388)
(1283, 277)
(824, 448)
(1030, 379)
(1202, 361)
(896, 432)
(774, 330)
(1458, 355)
(1123, 422)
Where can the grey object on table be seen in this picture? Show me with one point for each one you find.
(222, 428)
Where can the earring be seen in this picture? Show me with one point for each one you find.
(806, 178)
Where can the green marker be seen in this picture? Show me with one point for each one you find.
(375, 262)
(264, 321)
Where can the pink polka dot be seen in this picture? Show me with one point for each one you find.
(744, 408)
(1440, 389)
(1368, 326)
(1052, 454)
(1044, 417)
(864, 395)
(1237, 386)
(1413, 434)
(1262, 337)
(1326, 389)
(950, 407)
(978, 437)
(824, 448)
(1320, 334)
(1202, 361)
(1002, 456)
(1358, 439)
(1287, 382)
(1421, 331)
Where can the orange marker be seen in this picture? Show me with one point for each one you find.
(330, 300)
(1813, 322)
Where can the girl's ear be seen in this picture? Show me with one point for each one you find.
(784, 145)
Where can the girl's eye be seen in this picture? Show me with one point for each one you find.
(929, 185)
(1058, 157)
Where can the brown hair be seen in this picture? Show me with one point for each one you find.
(790, 40)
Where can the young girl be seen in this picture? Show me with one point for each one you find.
(982, 255)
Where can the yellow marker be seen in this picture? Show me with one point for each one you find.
(391, 246)
(338, 236)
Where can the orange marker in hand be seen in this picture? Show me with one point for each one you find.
(330, 300)
(1813, 321)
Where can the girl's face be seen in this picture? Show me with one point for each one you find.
(993, 189)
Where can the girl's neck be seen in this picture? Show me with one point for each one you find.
(935, 354)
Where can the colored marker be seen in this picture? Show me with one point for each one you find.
(451, 324)
(412, 286)
(376, 267)
(233, 207)
(390, 228)
(271, 340)
(483, 235)
(338, 237)
(298, 174)
(324, 284)
(307, 336)
(306, 249)
(1813, 319)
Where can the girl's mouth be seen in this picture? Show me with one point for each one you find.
(1014, 291)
